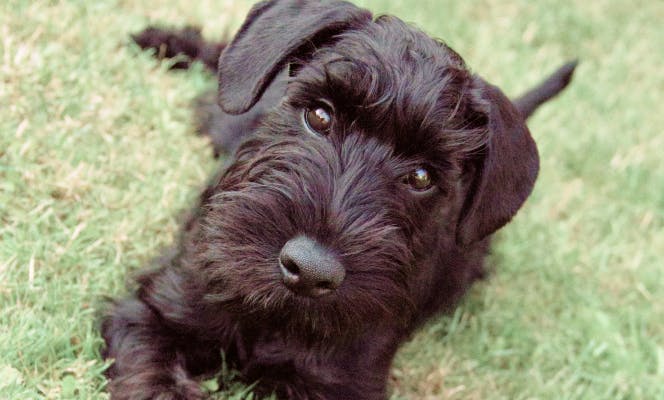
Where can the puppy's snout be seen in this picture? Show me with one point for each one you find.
(309, 269)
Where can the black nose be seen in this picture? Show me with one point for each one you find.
(309, 269)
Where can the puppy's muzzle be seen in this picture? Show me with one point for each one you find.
(309, 269)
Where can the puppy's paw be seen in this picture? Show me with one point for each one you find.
(181, 393)
(152, 386)
(169, 43)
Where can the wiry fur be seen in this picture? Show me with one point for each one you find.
(400, 101)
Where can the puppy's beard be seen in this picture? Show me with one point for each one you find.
(337, 317)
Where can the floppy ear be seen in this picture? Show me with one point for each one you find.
(273, 31)
(505, 173)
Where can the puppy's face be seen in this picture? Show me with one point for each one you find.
(369, 158)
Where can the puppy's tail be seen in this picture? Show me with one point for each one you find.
(186, 45)
(549, 88)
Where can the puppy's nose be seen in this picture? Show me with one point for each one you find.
(309, 269)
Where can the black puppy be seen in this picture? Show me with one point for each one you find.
(359, 205)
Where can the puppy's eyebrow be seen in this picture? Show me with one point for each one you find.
(351, 85)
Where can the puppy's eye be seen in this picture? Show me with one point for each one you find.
(419, 180)
(318, 119)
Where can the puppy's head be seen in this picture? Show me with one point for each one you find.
(384, 163)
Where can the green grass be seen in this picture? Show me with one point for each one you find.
(97, 160)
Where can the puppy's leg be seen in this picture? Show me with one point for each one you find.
(295, 371)
(157, 342)
(186, 43)
(227, 131)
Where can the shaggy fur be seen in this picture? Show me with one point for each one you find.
(399, 101)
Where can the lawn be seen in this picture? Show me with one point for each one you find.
(98, 160)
